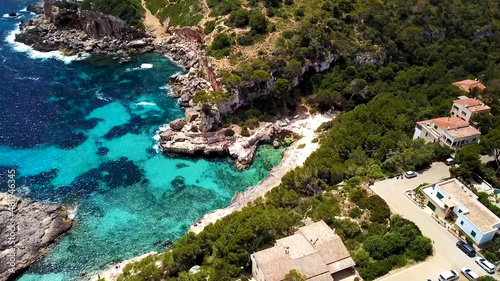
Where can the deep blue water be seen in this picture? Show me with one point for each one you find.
(81, 133)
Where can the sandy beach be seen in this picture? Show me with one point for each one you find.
(113, 271)
(293, 157)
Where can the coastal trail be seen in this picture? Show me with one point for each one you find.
(294, 156)
(153, 24)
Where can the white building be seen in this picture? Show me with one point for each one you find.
(466, 108)
(454, 201)
(450, 131)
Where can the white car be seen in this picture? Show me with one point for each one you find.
(469, 274)
(410, 174)
(449, 275)
(486, 265)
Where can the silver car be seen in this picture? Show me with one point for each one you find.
(449, 275)
(410, 174)
(486, 265)
(469, 274)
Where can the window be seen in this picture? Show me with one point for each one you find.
(472, 233)
(474, 139)
(455, 107)
(460, 211)
(430, 205)
(439, 195)
(461, 222)
(463, 113)
(426, 134)
(435, 127)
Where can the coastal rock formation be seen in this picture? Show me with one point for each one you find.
(76, 31)
(216, 143)
(38, 226)
(199, 133)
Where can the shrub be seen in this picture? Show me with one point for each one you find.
(229, 133)
(469, 240)
(300, 146)
(209, 27)
(239, 18)
(288, 2)
(221, 46)
(194, 129)
(245, 132)
(299, 13)
(244, 40)
(355, 213)
(258, 22)
(270, 12)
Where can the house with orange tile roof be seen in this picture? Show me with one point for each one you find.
(467, 107)
(468, 84)
(453, 132)
(314, 250)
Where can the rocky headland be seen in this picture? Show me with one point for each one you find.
(74, 31)
(37, 227)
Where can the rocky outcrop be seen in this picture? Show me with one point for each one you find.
(33, 226)
(200, 131)
(77, 31)
(216, 143)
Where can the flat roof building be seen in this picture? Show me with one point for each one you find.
(314, 250)
(452, 200)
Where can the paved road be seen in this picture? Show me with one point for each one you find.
(448, 256)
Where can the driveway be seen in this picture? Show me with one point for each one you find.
(448, 256)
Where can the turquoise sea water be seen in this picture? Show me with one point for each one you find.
(82, 133)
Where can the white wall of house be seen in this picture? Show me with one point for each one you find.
(460, 142)
(424, 133)
(257, 273)
(464, 223)
(468, 227)
(461, 111)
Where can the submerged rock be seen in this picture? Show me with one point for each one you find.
(37, 227)
(179, 183)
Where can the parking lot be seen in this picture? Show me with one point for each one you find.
(447, 255)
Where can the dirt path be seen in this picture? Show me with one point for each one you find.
(152, 23)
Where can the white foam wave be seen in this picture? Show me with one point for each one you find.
(72, 212)
(145, 103)
(25, 9)
(7, 16)
(101, 96)
(146, 65)
(33, 54)
(164, 87)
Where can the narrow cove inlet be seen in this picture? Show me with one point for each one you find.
(82, 133)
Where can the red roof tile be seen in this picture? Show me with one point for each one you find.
(468, 85)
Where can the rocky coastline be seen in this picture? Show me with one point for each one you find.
(38, 227)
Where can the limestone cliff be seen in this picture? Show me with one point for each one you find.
(34, 227)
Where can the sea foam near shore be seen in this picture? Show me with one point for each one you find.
(33, 54)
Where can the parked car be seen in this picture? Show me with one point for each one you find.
(449, 161)
(410, 174)
(449, 275)
(469, 274)
(486, 265)
(466, 248)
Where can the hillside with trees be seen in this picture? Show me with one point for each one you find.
(397, 60)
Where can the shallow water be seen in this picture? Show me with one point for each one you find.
(82, 133)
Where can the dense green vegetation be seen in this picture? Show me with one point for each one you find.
(131, 11)
(225, 247)
(178, 13)
(397, 62)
